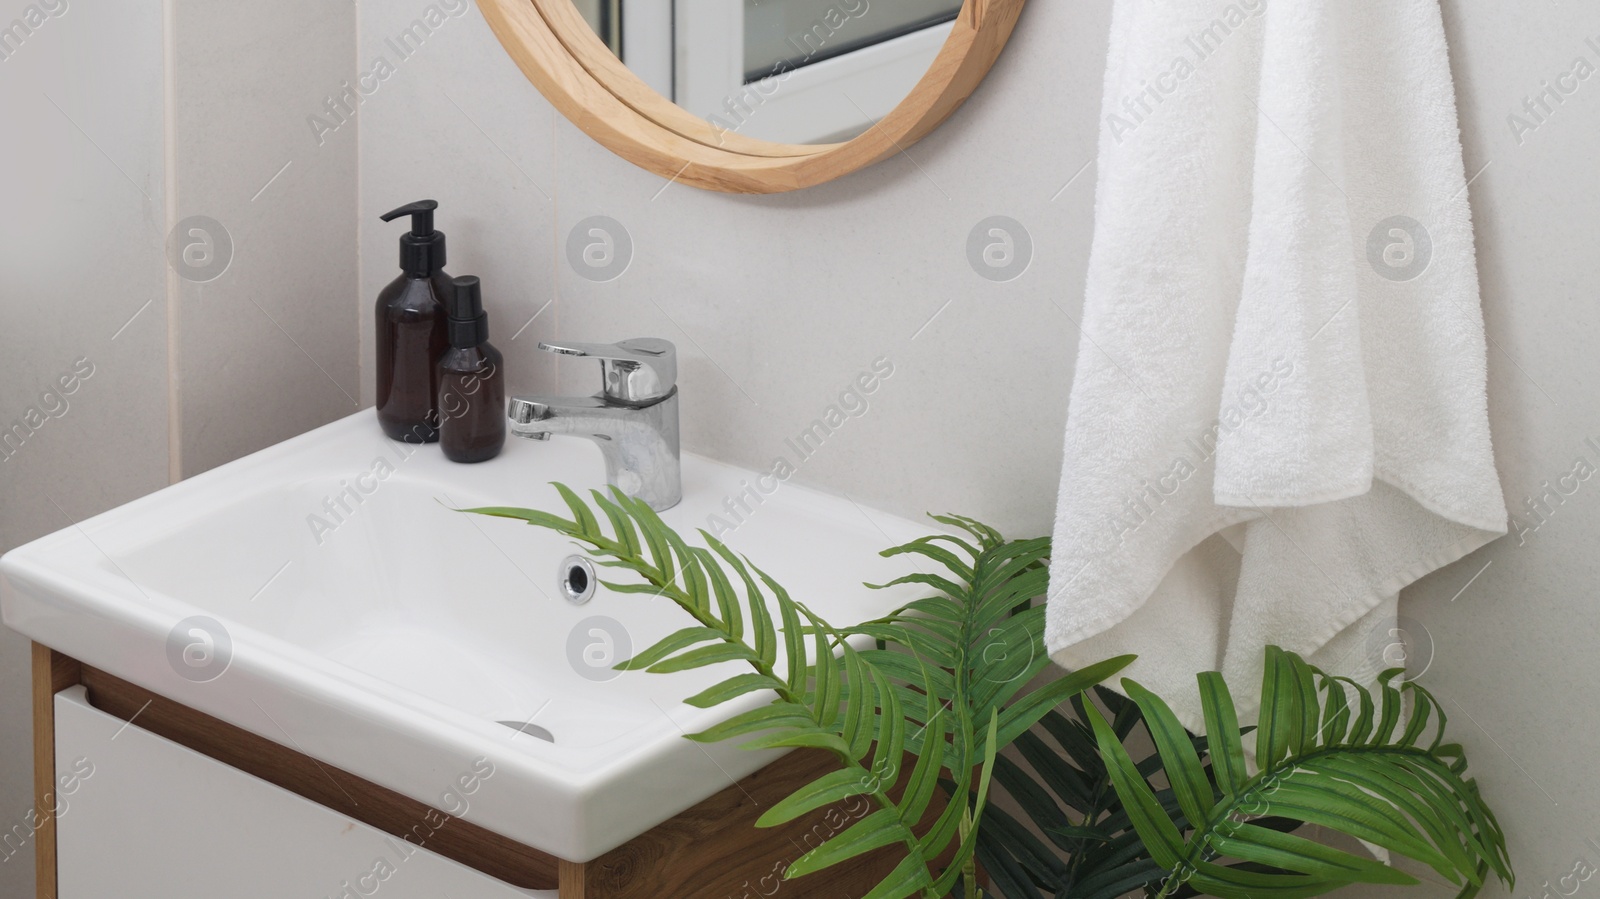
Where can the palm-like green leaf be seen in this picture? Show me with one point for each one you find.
(949, 701)
(1318, 765)
(953, 680)
(981, 627)
(1088, 848)
(983, 632)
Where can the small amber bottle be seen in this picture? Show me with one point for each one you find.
(472, 391)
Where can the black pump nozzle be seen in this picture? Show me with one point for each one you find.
(421, 213)
(421, 250)
(469, 324)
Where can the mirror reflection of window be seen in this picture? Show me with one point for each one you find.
(800, 32)
(605, 17)
(790, 71)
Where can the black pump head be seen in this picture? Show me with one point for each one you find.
(469, 324)
(421, 213)
(422, 249)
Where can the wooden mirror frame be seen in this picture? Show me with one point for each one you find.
(558, 51)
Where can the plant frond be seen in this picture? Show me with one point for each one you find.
(956, 676)
(867, 707)
(1361, 774)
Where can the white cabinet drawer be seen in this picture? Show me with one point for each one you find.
(140, 815)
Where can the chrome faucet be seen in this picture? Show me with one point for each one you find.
(633, 419)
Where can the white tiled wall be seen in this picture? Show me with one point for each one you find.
(88, 194)
(265, 351)
(81, 278)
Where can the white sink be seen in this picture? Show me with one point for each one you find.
(389, 640)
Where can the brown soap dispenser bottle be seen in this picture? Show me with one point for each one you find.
(472, 385)
(411, 331)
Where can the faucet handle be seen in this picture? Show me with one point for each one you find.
(637, 372)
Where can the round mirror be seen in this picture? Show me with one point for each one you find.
(754, 96)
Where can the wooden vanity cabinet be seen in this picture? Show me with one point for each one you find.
(151, 797)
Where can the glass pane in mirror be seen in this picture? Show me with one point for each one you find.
(790, 71)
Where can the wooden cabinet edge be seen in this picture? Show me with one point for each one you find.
(349, 795)
(574, 881)
(52, 673)
(712, 848)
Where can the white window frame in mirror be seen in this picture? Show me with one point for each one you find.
(800, 106)
(650, 56)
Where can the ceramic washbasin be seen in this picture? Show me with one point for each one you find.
(389, 636)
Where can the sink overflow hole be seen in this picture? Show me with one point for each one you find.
(577, 580)
(532, 730)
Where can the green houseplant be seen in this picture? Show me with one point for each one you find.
(954, 678)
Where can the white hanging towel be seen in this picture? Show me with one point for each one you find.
(1278, 417)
